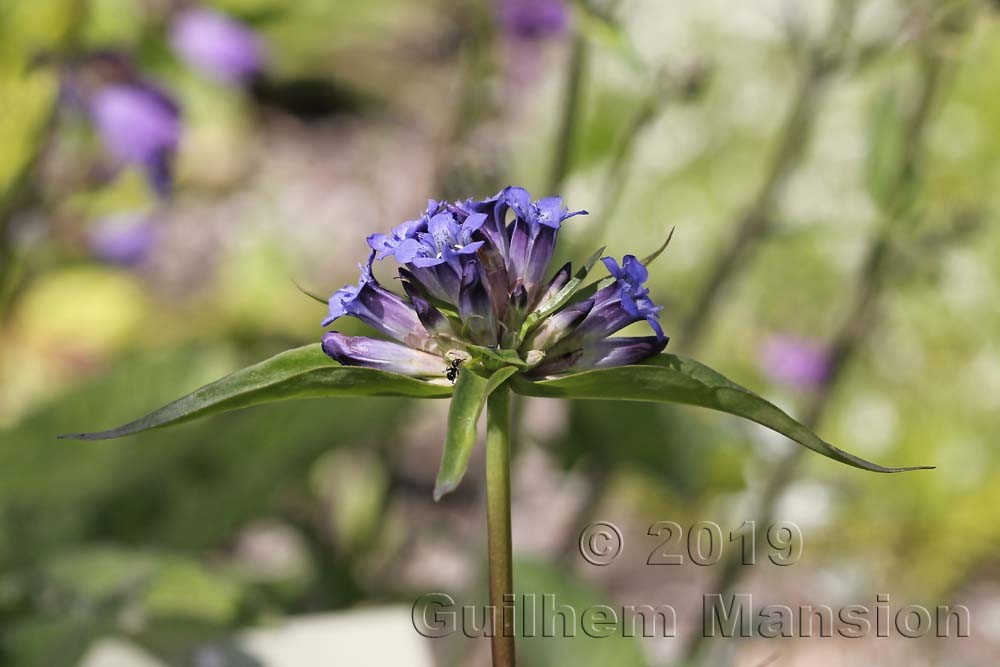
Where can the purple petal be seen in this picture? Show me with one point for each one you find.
(558, 326)
(408, 250)
(629, 304)
(533, 19)
(439, 281)
(543, 245)
(471, 248)
(159, 173)
(628, 294)
(473, 223)
(338, 303)
(382, 244)
(386, 312)
(450, 280)
(475, 307)
(550, 212)
(518, 200)
(606, 353)
(620, 351)
(124, 240)
(612, 266)
(382, 355)
(443, 230)
(431, 318)
(603, 320)
(427, 262)
(520, 245)
(378, 308)
(135, 125)
(217, 45)
(634, 270)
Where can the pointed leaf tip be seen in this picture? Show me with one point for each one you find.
(467, 403)
(309, 294)
(667, 378)
(443, 489)
(659, 251)
(304, 372)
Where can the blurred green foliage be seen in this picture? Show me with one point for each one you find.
(147, 537)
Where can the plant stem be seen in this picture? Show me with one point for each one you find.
(498, 525)
(796, 131)
(570, 114)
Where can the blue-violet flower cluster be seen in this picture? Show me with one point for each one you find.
(478, 288)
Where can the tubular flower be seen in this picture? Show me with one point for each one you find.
(478, 290)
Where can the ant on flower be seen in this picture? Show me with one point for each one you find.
(452, 371)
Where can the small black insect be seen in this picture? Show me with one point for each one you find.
(452, 371)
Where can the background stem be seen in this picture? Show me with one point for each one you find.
(498, 525)
(570, 115)
(850, 337)
(818, 66)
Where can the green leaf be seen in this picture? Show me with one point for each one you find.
(471, 392)
(671, 379)
(305, 372)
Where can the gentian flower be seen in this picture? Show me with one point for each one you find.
(798, 363)
(139, 124)
(216, 45)
(476, 278)
(378, 308)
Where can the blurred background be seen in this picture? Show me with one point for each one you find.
(172, 172)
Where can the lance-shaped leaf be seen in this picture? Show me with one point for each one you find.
(305, 372)
(671, 379)
(471, 392)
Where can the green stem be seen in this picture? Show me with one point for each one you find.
(498, 525)
(570, 114)
(794, 137)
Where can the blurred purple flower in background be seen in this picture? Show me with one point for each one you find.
(533, 19)
(216, 45)
(124, 239)
(139, 125)
(796, 362)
